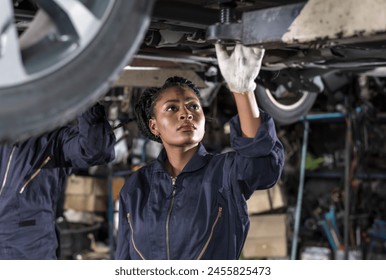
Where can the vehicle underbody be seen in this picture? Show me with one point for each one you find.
(324, 64)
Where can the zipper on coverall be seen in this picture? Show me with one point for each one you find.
(174, 179)
(132, 237)
(219, 213)
(7, 169)
(34, 174)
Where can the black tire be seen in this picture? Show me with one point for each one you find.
(56, 97)
(284, 113)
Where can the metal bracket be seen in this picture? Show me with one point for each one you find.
(265, 26)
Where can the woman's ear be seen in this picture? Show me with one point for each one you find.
(153, 127)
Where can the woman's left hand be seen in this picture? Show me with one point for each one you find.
(241, 68)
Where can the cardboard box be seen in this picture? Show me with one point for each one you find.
(267, 237)
(86, 194)
(118, 183)
(266, 200)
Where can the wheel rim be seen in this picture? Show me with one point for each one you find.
(60, 30)
(79, 70)
(288, 101)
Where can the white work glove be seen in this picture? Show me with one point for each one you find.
(241, 68)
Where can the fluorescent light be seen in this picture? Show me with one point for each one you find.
(140, 68)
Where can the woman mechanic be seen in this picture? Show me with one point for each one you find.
(188, 203)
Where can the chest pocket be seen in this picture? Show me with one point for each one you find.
(34, 174)
(210, 235)
(213, 223)
(132, 240)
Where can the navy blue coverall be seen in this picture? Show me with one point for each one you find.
(32, 176)
(201, 214)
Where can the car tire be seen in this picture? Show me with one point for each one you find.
(284, 114)
(57, 97)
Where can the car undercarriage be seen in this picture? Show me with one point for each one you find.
(322, 77)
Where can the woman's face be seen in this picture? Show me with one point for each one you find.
(179, 119)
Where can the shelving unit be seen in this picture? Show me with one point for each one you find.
(306, 120)
(345, 174)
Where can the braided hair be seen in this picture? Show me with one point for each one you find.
(144, 108)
